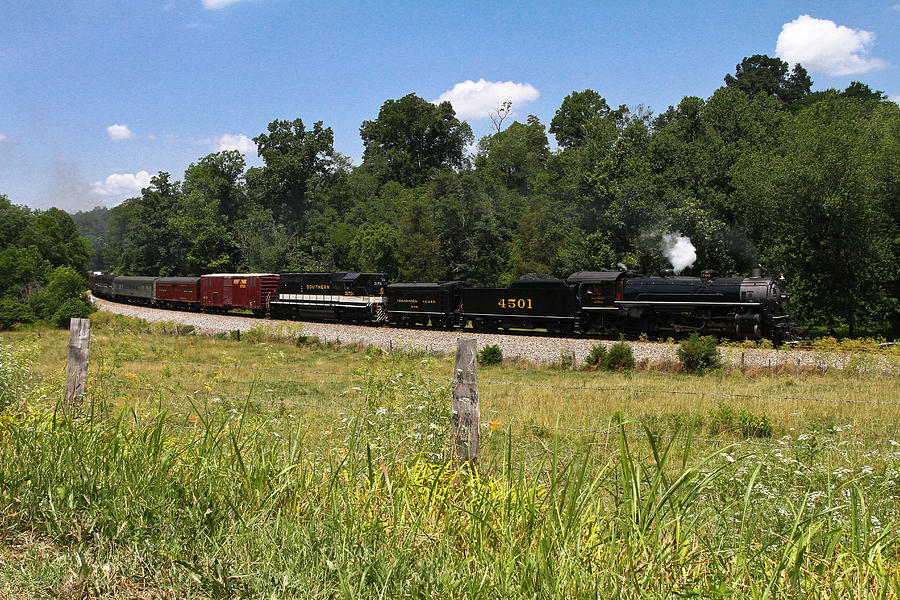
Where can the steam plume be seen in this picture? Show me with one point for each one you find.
(679, 250)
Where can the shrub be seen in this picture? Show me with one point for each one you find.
(596, 355)
(12, 312)
(699, 354)
(490, 355)
(65, 284)
(725, 419)
(721, 420)
(750, 425)
(619, 357)
(73, 308)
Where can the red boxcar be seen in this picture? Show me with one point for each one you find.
(238, 290)
(178, 292)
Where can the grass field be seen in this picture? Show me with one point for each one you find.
(203, 467)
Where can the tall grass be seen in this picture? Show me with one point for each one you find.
(225, 507)
(223, 482)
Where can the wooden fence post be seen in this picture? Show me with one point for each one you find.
(76, 372)
(465, 419)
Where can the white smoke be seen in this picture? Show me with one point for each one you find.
(679, 250)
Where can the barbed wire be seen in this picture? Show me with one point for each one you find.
(628, 389)
(485, 424)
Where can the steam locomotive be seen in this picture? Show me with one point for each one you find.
(608, 303)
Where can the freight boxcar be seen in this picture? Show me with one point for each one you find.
(527, 304)
(180, 293)
(421, 303)
(252, 291)
(341, 295)
(134, 290)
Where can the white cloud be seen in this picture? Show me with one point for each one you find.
(239, 142)
(895, 98)
(122, 184)
(477, 99)
(215, 4)
(897, 6)
(119, 132)
(821, 45)
(3, 138)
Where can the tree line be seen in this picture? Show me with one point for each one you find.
(43, 262)
(762, 171)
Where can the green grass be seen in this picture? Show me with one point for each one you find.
(286, 481)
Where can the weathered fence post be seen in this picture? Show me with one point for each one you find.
(465, 419)
(76, 372)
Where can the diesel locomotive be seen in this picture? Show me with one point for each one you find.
(608, 303)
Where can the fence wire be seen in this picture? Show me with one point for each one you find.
(627, 389)
(549, 428)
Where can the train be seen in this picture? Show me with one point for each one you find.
(605, 303)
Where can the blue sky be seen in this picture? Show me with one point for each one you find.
(97, 96)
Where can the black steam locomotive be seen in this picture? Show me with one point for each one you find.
(599, 302)
(604, 302)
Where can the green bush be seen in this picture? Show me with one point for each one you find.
(65, 284)
(699, 354)
(490, 355)
(596, 355)
(73, 308)
(12, 312)
(742, 422)
(721, 420)
(750, 425)
(619, 357)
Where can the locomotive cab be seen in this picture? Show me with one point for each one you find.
(597, 293)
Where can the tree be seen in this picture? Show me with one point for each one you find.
(264, 244)
(516, 155)
(42, 260)
(293, 156)
(140, 239)
(218, 178)
(419, 255)
(208, 246)
(375, 250)
(762, 73)
(823, 209)
(579, 113)
(411, 137)
(502, 113)
(91, 226)
(53, 231)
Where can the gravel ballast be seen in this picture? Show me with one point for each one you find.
(535, 348)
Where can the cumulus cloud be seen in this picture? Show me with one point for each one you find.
(3, 138)
(478, 99)
(823, 46)
(239, 142)
(119, 132)
(895, 98)
(122, 184)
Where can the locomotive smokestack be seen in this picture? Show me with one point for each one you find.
(756, 271)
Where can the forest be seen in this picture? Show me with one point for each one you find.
(764, 170)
